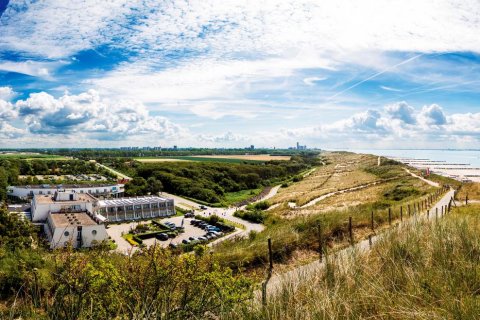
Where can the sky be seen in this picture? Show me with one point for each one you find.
(210, 73)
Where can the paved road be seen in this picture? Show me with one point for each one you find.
(119, 174)
(304, 272)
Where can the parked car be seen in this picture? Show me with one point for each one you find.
(202, 238)
(189, 215)
(192, 238)
(162, 237)
(173, 245)
(203, 207)
(185, 241)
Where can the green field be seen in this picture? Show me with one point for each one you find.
(33, 157)
(199, 159)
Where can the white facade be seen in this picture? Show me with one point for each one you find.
(42, 205)
(136, 208)
(28, 192)
(79, 230)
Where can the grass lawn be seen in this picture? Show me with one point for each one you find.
(234, 197)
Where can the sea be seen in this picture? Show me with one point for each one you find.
(471, 157)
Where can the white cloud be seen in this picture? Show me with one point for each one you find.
(433, 115)
(227, 137)
(402, 111)
(6, 93)
(88, 114)
(32, 68)
(7, 131)
(7, 111)
(310, 81)
(396, 122)
(386, 88)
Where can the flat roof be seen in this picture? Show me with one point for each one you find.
(68, 186)
(61, 220)
(49, 198)
(131, 201)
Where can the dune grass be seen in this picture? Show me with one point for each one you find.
(470, 189)
(425, 271)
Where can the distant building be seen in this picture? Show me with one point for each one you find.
(299, 147)
(99, 190)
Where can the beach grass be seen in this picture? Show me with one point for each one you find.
(424, 270)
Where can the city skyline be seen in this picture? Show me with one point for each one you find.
(335, 74)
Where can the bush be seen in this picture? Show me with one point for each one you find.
(255, 216)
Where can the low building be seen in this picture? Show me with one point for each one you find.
(99, 190)
(136, 208)
(61, 201)
(78, 229)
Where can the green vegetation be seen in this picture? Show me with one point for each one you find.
(97, 284)
(97, 154)
(12, 167)
(239, 196)
(301, 232)
(211, 182)
(255, 216)
(421, 271)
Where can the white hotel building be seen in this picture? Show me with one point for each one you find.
(125, 209)
(98, 190)
(79, 218)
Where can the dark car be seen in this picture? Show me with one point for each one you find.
(189, 215)
(173, 245)
(162, 237)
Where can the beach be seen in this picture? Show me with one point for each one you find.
(462, 165)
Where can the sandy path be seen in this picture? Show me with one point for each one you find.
(430, 182)
(363, 186)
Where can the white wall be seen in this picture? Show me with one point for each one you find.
(59, 238)
(40, 210)
(24, 193)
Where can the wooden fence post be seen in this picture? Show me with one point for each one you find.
(428, 213)
(401, 213)
(409, 213)
(389, 216)
(372, 222)
(269, 275)
(350, 231)
(466, 199)
(320, 241)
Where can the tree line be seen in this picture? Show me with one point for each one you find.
(210, 181)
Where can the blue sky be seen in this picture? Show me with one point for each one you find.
(330, 74)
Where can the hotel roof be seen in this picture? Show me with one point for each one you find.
(68, 186)
(82, 198)
(61, 220)
(131, 201)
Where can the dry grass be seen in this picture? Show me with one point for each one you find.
(254, 157)
(344, 171)
(420, 271)
(472, 189)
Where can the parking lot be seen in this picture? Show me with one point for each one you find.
(116, 230)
